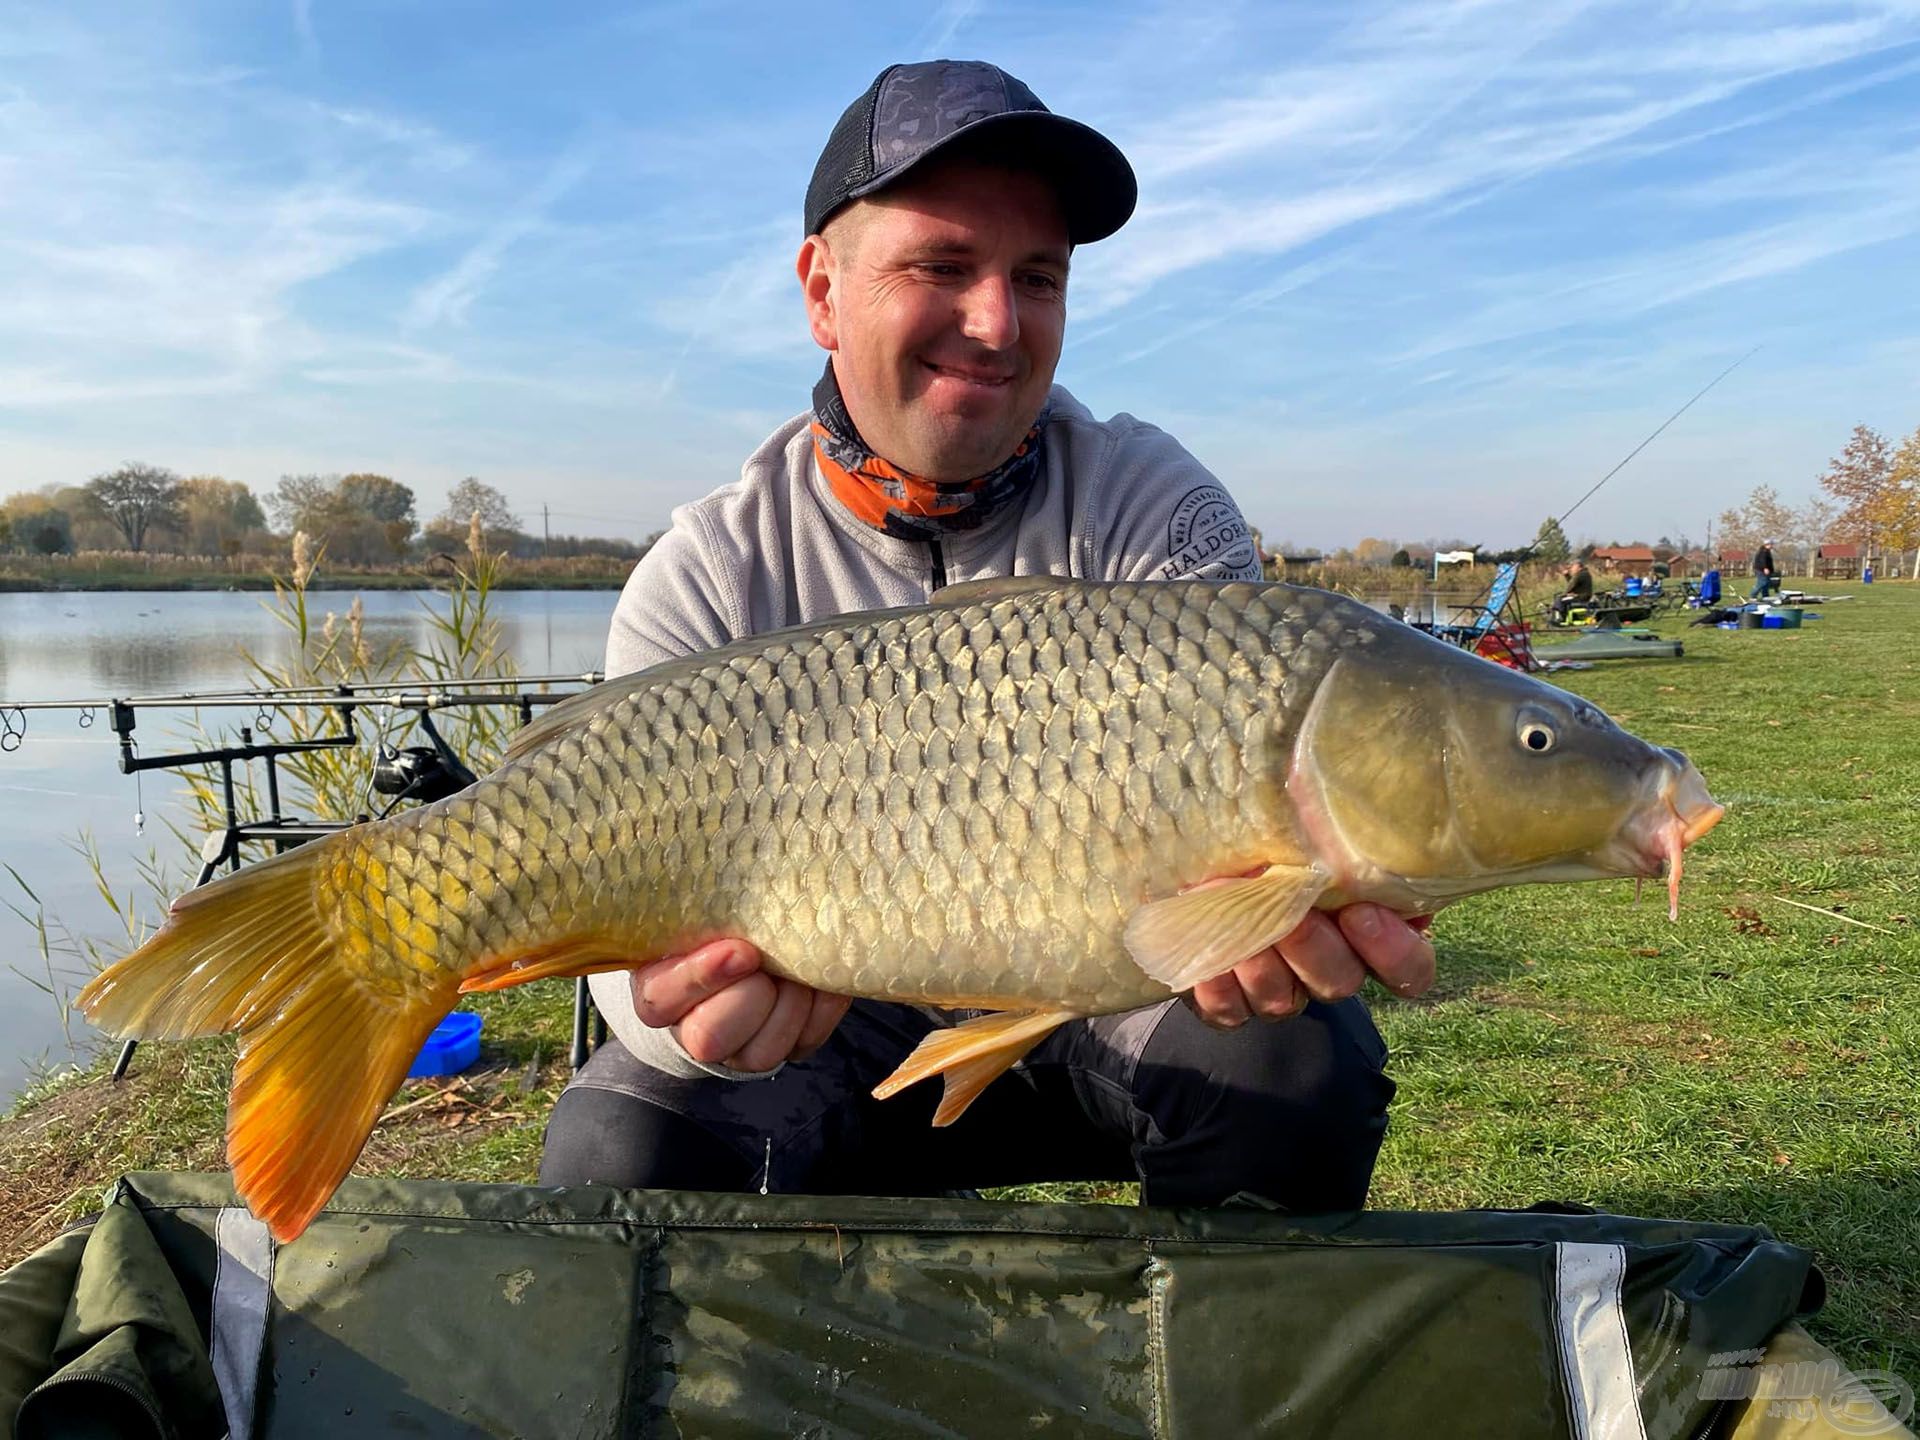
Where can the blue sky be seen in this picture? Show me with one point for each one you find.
(1407, 270)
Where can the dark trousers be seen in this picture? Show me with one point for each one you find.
(1292, 1111)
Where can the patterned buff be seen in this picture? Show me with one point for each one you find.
(903, 505)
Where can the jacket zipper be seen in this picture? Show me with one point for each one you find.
(939, 567)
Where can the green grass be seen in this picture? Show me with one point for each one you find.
(1753, 1062)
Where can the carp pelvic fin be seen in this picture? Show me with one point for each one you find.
(320, 1051)
(1201, 933)
(972, 1055)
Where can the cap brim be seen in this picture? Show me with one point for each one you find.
(1095, 183)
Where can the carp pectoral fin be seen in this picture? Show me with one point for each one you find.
(972, 1055)
(1195, 936)
(575, 955)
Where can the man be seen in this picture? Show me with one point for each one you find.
(940, 225)
(1579, 590)
(1764, 579)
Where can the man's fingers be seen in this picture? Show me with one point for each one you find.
(1220, 1002)
(665, 991)
(827, 1011)
(1272, 990)
(1400, 954)
(772, 1044)
(1319, 954)
(722, 1024)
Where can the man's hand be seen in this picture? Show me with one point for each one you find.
(724, 1010)
(1328, 956)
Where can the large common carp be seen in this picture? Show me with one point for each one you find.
(1001, 799)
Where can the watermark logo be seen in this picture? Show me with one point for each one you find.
(1872, 1402)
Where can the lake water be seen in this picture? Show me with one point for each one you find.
(64, 780)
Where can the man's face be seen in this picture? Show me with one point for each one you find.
(943, 300)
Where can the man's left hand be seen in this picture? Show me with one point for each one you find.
(1328, 956)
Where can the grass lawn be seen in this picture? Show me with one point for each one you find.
(1755, 1062)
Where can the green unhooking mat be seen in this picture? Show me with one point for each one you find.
(437, 1310)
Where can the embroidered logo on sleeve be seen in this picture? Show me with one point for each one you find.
(1206, 538)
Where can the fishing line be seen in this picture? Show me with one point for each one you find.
(1656, 434)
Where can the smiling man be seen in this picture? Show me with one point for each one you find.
(941, 223)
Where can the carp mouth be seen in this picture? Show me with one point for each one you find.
(1679, 813)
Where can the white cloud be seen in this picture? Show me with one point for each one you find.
(447, 297)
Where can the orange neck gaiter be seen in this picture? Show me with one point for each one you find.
(899, 503)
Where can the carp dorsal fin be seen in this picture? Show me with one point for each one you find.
(994, 587)
(1201, 933)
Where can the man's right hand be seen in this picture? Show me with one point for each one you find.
(725, 1010)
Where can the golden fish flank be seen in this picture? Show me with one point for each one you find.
(992, 800)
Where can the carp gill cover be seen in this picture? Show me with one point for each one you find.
(1000, 799)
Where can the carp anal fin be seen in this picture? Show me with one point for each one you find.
(1201, 933)
(972, 1055)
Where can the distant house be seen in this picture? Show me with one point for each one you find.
(1837, 562)
(1691, 565)
(1634, 559)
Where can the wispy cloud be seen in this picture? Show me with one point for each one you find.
(303, 28)
(447, 297)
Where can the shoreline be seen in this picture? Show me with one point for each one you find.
(263, 583)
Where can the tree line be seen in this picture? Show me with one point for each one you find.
(1870, 498)
(361, 519)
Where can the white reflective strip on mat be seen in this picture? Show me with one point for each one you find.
(242, 1285)
(1593, 1342)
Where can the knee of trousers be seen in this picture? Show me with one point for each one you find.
(1315, 1080)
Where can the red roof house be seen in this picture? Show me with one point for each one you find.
(1624, 557)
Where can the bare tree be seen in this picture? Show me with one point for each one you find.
(136, 497)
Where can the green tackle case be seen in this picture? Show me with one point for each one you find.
(459, 1310)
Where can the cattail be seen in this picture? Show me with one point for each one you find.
(327, 627)
(302, 559)
(357, 629)
(476, 538)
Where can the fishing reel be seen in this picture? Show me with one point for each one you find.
(423, 773)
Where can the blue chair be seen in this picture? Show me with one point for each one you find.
(1707, 594)
(1471, 626)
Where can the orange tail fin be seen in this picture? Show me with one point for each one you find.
(972, 1056)
(321, 1050)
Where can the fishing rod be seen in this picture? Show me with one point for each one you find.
(287, 696)
(419, 696)
(1656, 434)
(1527, 550)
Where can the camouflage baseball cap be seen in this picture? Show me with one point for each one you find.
(913, 111)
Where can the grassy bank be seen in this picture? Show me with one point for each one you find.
(1756, 1062)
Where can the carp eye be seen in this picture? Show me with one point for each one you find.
(1536, 737)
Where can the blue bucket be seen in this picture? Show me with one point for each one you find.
(451, 1048)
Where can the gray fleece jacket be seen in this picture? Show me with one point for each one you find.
(1116, 500)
